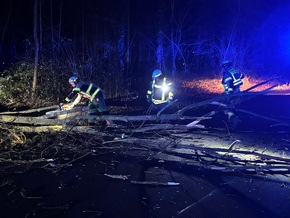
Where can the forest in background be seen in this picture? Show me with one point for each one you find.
(117, 44)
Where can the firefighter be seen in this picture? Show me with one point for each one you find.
(160, 91)
(90, 91)
(232, 79)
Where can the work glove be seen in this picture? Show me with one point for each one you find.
(65, 107)
(170, 96)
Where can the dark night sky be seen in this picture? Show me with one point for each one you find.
(255, 17)
(212, 13)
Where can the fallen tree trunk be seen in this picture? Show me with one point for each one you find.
(230, 96)
(30, 111)
(278, 121)
(39, 129)
(76, 118)
(28, 120)
(218, 98)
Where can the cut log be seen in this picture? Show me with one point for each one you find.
(63, 114)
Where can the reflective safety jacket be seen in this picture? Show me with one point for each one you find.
(83, 89)
(160, 92)
(232, 80)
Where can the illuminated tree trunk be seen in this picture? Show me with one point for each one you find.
(36, 45)
(40, 32)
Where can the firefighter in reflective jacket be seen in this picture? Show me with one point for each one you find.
(90, 91)
(161, 90)
(232, 79)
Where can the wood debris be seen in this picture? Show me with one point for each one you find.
(175, 137)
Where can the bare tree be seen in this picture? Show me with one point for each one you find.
(36, 45)
(4, 31)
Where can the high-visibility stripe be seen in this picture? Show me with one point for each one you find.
(237, 81)
(76, 89)
(94, 94)
(228, 79)
(158, 101)
(163, 97)
(89, 88)
(163, 92)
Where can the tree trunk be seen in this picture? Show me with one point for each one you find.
(5, 28)
(128, 58)
(173, 55)
(40, 33)
(36, 44)
(52, 32)
(59, 28)
(159, 51)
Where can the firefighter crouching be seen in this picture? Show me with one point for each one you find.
(90, 91)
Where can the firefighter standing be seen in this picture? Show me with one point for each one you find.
(90, 91)
(160, 91)
(232, 79)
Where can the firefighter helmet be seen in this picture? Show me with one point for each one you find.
(73, 79)
(156, 73)
(226, 63)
